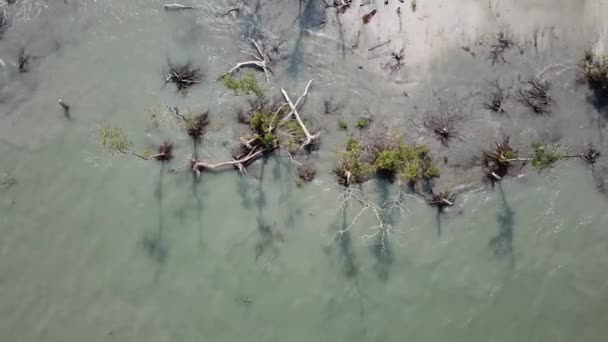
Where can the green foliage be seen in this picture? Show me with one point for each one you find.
(510, 154)
(545, 156)
(295, 135)
(351, 162)
(248, 84)
(363, 123)
(414, 5)
(294, 129)
(343, 125)
(594, 69)
(264, 124)
(353, 146)
(410, 162)
(113, 139)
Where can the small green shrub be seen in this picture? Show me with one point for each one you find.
(263, 125)
(248, 84)
(545, 156)
(410, 162)
(113, 139)
(343, 125)
(414, 5)
(363, 123)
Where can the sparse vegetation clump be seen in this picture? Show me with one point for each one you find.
(364, 123)
(343, 125)
(248, 84)
(594, 70)
(413, 5)
(390, 158)
(114, 140)
(545, 156)
(535, 95)
(353, 168)
(184, 76)
(408, 162)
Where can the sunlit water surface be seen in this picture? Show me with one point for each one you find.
(99, 248)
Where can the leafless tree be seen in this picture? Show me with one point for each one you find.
(495, 99)
(260, 61)
(497, 50)
(184, 76)
(535, 95)
(396, 61)
(443, 123)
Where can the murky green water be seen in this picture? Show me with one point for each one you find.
(98, 248)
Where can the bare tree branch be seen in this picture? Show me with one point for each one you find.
(261, 61)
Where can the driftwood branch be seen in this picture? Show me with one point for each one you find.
(294, 111)
(178, 7)
(199, 166)
(261, 62)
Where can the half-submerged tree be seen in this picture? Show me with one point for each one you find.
(396, 61)
(495, 99)
(261, 61)
(535, 95)
(184, 76)
(443, 123)
(114, 140)
(498, 49)
(273, 124)
(594, 71)
(498, 162)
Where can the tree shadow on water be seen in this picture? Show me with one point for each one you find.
(343, 245)
(381, 248)
(153, 243)
(269, 235)
(311, 15)
(502, 243)
(382, 251)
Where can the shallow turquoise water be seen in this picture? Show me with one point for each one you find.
(99, 248)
